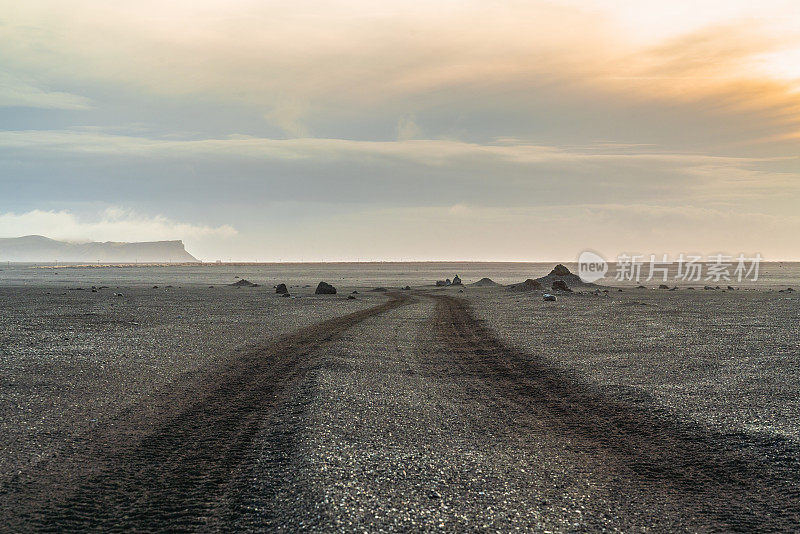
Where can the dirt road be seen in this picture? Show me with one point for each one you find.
(408, 415)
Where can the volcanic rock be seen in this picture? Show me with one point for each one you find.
(527, 285)
(560, 270)
(244, 283)
(560, 285)
(325, 288)
(485, 282)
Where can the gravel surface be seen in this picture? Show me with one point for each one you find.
(420, 410)
(73, 360)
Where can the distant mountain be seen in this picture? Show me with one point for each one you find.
(36, 248)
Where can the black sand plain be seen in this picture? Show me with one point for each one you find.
(221, 409)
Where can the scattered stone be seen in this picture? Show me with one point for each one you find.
(407, 288)
(380, 289)
(281, 289)
(350, 297)
(731, 288)
(619, 291)
(663, 286)
(460, 290)
(325, 288)
(456, 281)
(355, 292)
(709, 288)
(560, 285)
(548, 297)
(790, 290)
(442, 283)
(673, 288)
(285, 295)
(155, 287)
(641, 287)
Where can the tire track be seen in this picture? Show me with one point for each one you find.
(732, 482)
(166, 470)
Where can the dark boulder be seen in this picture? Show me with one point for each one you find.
(442, 283)
(350, 297)
(456, 281)
(548, 297)
(325, 288)
(281, 289)
(286, 295)
(663, 286)
(560, 285)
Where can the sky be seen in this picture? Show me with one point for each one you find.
(439, 130)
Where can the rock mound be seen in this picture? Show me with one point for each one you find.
(325, 288)
(527, 285)
(561, 275)
(244, 283)
(456, 281)
(485, 282)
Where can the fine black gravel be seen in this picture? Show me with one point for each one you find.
(412, 411)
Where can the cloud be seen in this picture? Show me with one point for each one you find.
(113, 224)
(426, 151)
(413, 172)
(288, 115)
(335, 62)
(407, 129)
(17, 92)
